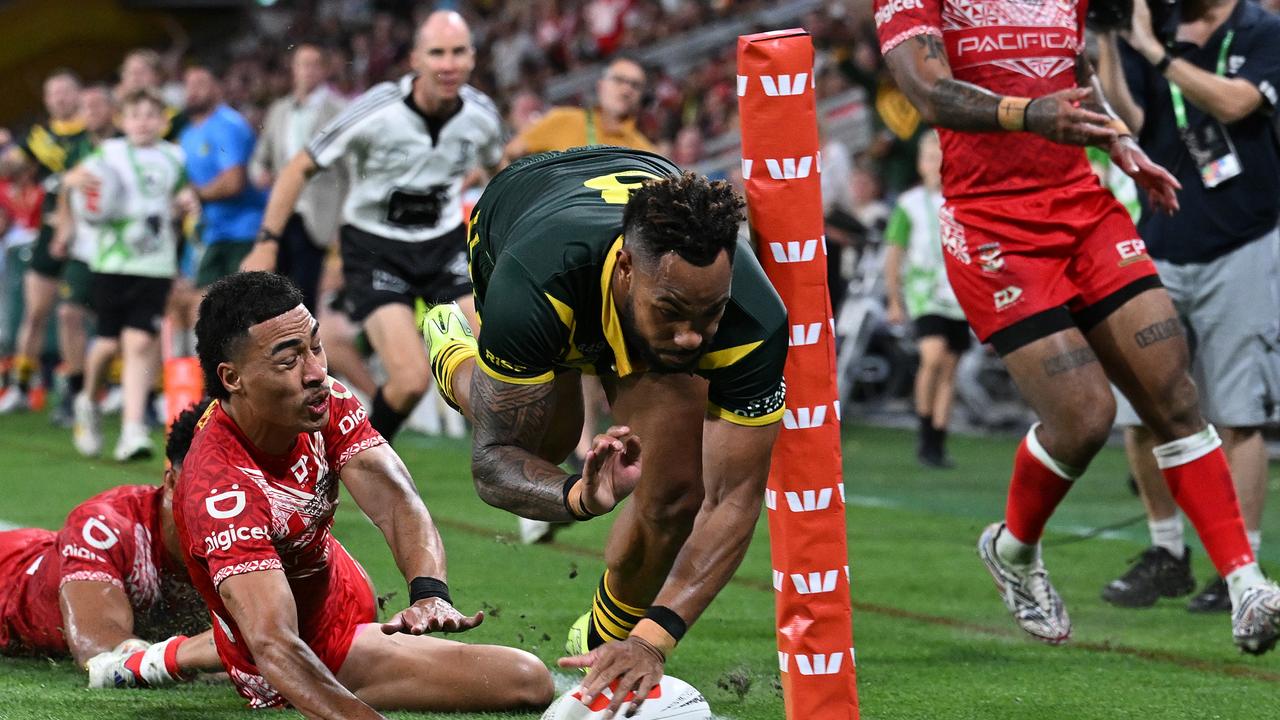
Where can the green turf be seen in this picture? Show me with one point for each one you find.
(932, 639)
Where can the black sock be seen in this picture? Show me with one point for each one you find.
(75, 384)
(940, 441)
(384, 418)
(925, 433)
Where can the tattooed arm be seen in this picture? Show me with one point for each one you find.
(920, 67)
(510, 422)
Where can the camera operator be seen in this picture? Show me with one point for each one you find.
(1200, 99)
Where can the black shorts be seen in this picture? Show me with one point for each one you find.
(955, 332)
(129, 301)
(377, 271)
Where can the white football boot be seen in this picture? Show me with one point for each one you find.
(1026, 592)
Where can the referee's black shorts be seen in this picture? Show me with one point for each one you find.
(378, 271)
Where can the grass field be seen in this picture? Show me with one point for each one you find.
(933, 641)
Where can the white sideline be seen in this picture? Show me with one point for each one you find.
(8, 526)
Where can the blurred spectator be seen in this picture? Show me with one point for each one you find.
(218, 144)
(143, 69)
(687, 149)
(290, 124)
(51, 147)
(612, 121)
(918, 290)
(525, 110)
(21, 198)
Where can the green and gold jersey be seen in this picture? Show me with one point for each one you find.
(543, 242)
(55, 148)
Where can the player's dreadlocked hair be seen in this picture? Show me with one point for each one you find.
(183, 430)
(686, 214)
(232, 306)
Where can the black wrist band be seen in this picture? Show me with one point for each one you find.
(675, 625)
(421, 588)
(1163, 65)
(266, 236)
(579, 515)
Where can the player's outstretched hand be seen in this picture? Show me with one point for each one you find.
(634, 663)
(430, 615)
(611, 469)
(1061, 118)
(1160, 186)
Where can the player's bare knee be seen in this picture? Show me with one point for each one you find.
(1076, 438)
(1175, 411)
(528, 683)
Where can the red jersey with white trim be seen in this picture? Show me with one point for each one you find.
(114, 537)
(1022, 48)
(241, 510)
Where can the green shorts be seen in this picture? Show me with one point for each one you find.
(220, 260)
(42, 263)
(76, 283)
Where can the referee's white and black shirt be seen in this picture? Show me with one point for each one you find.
(406, 172)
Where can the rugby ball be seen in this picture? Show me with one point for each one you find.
(101, 203)
(670, 699)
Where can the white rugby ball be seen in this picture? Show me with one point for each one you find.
(103, 203)
(670, 699)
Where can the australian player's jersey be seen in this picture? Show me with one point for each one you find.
(55, 148)
(115, 538)
(543, 243)
(1013, 47)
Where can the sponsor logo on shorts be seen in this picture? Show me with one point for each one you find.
(990, 258)
(1131, 251)
(222, 506)
(224, 539)
(893, 7)
(386, 282)
(1007, 297)
(498, 362)
(953, 240)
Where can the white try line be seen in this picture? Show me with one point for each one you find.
(8, 526)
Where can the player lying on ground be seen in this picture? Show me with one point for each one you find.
(1050, 270)
(294, 613)
(110, 578)
(611, 261)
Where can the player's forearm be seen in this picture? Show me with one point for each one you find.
(227, 184)
(297, 674)
(958, 105)
(1114, 87)
(715, 548)
(510, 419)
(381, 485)
(284, 194)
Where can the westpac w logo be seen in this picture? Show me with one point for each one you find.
(805, 334)
(795, 250)
(776, 85)
(808, 500)
(815, 582)
(816, 664)
(804, 418)
(789, 168)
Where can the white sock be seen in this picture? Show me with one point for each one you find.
(1013, 551)
(1255, 540)
(1243, 578)
(1167, 533)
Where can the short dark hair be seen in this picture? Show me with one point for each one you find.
(183, 430)
(686, 214)
(144, 95)
(231, 306)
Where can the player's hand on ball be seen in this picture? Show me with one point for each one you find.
(1061, 118)
(635, 663)
(611, 469)
(430, 615)
(1161, 187)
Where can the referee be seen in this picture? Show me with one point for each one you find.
(408, 146)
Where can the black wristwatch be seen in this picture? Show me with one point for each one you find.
(266, 236)
(1162, 66)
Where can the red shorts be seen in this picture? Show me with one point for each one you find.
(330, 613)
(1010, 258)
(18, 550)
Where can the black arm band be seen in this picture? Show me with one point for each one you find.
(1163, 65)
(584, 514)
(675, 625)
(421, 588)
